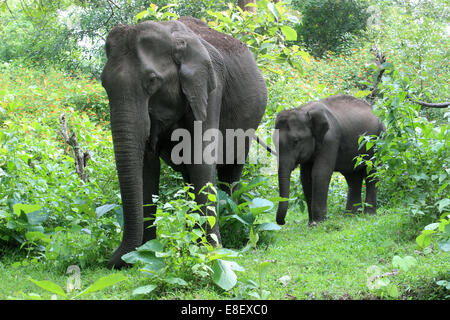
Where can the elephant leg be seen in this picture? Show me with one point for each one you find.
(371, 195)
(321, 176)
(228, 174)
(354, 182)
(151, 172)
(306, 179)
(200, 175)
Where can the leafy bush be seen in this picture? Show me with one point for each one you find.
(414, 153)
(53, 214)
(181, 253)
(265, 32)
(244, 215)
(417, 53)
(330, 25)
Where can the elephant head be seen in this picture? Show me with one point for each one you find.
(155, 73)
(298, 133)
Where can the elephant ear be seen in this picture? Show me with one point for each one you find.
(319, 121)
(196, 72)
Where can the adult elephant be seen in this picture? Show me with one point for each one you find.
(322, 137)
(163, 76)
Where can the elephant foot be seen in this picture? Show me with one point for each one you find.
(116, 261)
(281, 221)
(315, 222)
(370, 210)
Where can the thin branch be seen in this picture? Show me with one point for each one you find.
(9, 9)
(265, 146)
(427, 104)
(387, 274)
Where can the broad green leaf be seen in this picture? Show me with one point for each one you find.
(151, 245)
(235, 266)
(36, 235)
(25, 208)
(261, 203)
(273, 9)
(405, 263)
(103, 283)
(362, 93)
(263, 266)
(245, 188)
(443, 204)
(178, 281)
(278, 199)
(235, 216)
(211, 221)
(423, 240)
(141, 15)
(119, 216)
(223, 274)
(144, 289)
(289, 33)
(269, 226)
(144, 257)
(211, 197)
(444, 245)
(49, 286)
(432, 226)
(222, 253)
(100, 211)
(37, 217)
(392, 291)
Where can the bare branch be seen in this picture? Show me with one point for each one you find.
(380, 59)
(387, 274)
(427, 104)
(81, 158)
(265, 146)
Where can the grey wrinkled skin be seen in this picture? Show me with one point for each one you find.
(322, 137)
(161, 76)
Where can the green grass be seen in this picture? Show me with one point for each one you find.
(328, 261)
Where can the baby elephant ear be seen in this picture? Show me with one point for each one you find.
(197, 76)
(319, 121)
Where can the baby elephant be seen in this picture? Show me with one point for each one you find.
(322, 137)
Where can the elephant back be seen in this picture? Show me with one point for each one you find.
(221, 41)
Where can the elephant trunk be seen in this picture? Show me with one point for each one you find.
(130, 126)
(284, 177)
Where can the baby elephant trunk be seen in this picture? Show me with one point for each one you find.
(284, 185)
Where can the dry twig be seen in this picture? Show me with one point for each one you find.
(81, 158)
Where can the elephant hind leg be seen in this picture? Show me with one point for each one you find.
(371, 195)
(354, 182)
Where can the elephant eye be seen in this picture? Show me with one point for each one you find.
(152, 77)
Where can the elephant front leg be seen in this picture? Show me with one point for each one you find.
(151, 172)
(321, 176)
(306, 179)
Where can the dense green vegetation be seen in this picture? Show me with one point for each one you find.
(50, 219)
